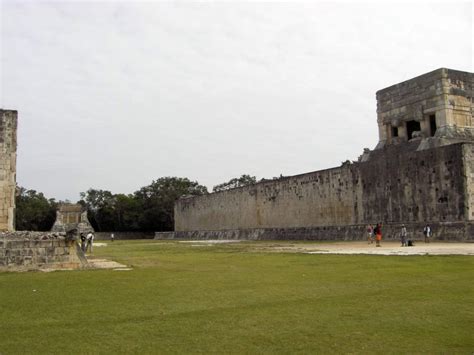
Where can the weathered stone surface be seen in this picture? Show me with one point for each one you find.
(123, 235)
(8, 129)
(72, 219)
(394, 186)
(442, 231)
(38, 250)
(443, 95)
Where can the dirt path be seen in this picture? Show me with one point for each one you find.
(106, 264)
(359, 247)
(387, 248)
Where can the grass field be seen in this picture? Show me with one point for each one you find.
(232, 298)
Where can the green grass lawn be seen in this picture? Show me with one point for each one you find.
(233, 298)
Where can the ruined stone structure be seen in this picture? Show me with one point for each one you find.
(421, 171)
(33, 250)
(72, 219)
(437, 104)
(21, 251)
(8, 128)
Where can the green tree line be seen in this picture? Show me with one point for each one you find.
(149, 209)
(34, 211)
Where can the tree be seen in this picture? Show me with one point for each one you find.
(244, 180)
(149, 209)
(100, 209)
(157, 201)
(127, 212)
(34, 211)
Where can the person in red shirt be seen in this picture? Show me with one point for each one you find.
(378, 234)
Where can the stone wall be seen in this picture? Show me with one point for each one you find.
(8, 129)
(123, 235)
(172, 235)
(321, 198)
(21, 251)
(401, 184)
(398, 184)
(469, 176)
(442, 231)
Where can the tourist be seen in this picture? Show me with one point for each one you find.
(370, 231)
(112, 237)
(378, 234)
(403, 236)
(427, 233)
(89, 241)
(83, 242)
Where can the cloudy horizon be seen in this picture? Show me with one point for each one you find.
(113, 95)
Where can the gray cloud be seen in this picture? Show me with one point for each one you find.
(113, 95)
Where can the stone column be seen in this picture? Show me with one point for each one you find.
(8, 129)
(425, 127)
(402, 132)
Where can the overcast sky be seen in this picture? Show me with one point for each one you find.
(113, 95)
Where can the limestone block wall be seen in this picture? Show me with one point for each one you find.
(123, 235)
(468, 159)
(445, 231)
(8, 129)
(398, 184)
(403, 185)
(459, 95)
(320, 198)
(38, 250)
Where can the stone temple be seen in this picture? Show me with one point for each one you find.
(421, 171)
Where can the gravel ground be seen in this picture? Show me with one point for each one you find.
(359, 247)
(392, 248)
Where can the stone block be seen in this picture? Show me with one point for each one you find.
(64, 259)
(61, 251)
(40, 252)
(45, 243)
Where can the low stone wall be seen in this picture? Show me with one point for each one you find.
(171, 235)
(123, 235)
(457, 231)
(21, 251)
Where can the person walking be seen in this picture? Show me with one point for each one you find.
(378, 234)
(112, 237)
(427, 233)
(403, 236)
(370, 231)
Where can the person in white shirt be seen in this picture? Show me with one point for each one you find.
(427, 233)
(89, 241)
(403, 236)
